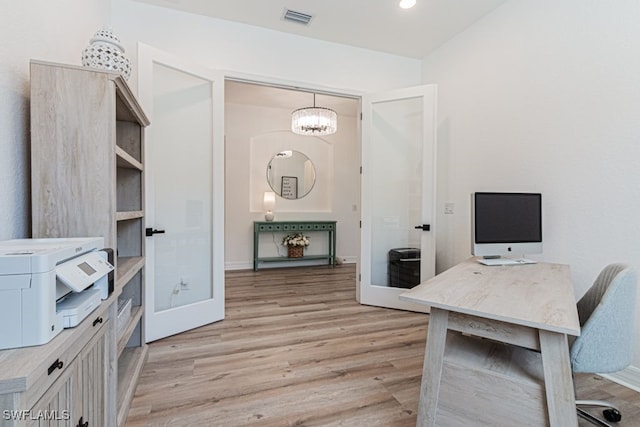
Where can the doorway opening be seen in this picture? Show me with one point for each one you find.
(258, 128)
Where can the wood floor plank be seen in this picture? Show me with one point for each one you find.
(296, 349)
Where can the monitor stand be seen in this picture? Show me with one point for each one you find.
(498, 260)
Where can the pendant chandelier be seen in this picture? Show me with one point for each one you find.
(314, 120)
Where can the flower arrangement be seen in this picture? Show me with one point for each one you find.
(295, 240)
(295, 244)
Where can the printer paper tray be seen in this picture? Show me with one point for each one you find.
(78, 305)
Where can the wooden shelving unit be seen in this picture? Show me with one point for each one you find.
(88, 180)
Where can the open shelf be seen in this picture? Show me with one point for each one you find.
(136, 314)
(127, 215)
(125, 160)
(127, 268)
(128, 109)
(130, 365)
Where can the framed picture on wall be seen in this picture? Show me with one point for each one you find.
(289, 187)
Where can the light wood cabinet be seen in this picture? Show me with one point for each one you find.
(87, 161)
(62, 383)
(59, 405)
(93, 362)
(78, 395)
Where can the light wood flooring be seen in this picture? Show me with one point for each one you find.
(296, 349)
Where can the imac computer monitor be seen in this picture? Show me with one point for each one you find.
(506, 224)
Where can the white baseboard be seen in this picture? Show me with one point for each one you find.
(238, 265)
(628, 377)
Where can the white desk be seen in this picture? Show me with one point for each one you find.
(530, 306)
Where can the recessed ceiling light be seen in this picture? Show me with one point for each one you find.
(407, 4)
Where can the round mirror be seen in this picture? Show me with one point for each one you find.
(291, 174)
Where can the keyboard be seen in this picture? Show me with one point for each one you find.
(505, 261)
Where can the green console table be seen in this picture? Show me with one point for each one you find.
(294, 227)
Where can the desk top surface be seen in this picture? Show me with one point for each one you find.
(535, 295)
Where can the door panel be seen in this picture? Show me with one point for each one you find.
(398, 194)
(184, 193)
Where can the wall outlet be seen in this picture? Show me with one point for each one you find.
(449, 208)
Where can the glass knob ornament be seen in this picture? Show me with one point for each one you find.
(106, 53)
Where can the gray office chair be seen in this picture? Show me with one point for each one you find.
(607, 321)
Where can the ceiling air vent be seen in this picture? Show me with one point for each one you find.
(298, 17)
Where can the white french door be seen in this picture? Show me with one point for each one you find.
(398, 194)
(184, 151)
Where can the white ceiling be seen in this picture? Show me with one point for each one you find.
(372, 24)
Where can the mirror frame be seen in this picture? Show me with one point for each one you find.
(288, 185)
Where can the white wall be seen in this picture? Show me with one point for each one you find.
(242, 123)
(545, 96)
(242, 48)
(33, 29)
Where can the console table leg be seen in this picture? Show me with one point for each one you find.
(256, 242)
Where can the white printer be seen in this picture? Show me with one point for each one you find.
(47, 285)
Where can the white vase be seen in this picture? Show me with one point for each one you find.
(106, 53)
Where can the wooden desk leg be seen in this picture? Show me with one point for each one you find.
(432, 368)
(558, 379)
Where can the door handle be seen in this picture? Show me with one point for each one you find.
(151, 231)
(423, 227)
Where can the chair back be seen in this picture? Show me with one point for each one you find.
(607, 320)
